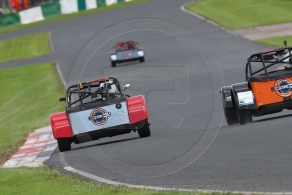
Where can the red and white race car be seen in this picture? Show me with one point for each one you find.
(98, 109)
(127, 52)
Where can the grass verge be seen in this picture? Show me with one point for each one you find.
(277, 41)
(244, 13)
(30, 95)
(25, 47)
(70, 16)
(46, 181)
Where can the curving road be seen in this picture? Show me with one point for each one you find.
(187, 61)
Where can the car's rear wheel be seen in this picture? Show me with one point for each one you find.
(142, 59)
(145, 130)
(244, 116)
(64, 144)
(114, 64)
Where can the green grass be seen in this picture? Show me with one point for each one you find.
(234, 14)
(30, 95)
(277, 41)
(46, 181)
(70, 16)
(25, 47)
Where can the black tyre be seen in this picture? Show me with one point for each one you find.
(145, 130)
(231, 116)
(114, 64)
(64, 144)
(244, 116)
(142, 59)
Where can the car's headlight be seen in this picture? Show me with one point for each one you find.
(114, 57)
(140, 53)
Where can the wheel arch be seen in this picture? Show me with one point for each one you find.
(242, 87)
(60, 125)
(137, 109)
(227, 98)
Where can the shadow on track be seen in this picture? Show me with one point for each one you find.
(272, 118)
(128, 64)
(104, 143)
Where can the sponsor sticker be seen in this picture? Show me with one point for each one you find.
(245, 98)
(99, 116)
(283, 87)
(127, 54)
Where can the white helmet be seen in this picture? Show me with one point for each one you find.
(113, 88)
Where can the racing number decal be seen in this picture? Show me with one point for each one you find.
(283, 87)
(99, 116)
(127, 54)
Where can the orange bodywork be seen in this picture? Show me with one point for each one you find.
(263, 93)
(19, 5)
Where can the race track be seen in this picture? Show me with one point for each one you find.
(188, 60)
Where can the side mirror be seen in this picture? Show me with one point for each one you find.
(126, 86)
(62, 99)
(137, 42)
(114, 46)
(285, 43)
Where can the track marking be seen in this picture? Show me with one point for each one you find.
(155, 188)
(207, 20)
(51, 43)
(113, 183)
(60, 74)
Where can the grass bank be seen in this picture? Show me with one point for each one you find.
(28, 46)
(47, 181)
(30, 95)
(70, 16)
(277, 41)
(244, 13)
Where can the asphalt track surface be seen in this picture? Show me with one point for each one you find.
(188, 60)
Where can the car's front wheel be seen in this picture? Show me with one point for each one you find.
(114, 64)
(64, 144)
(145, 130)
(142, 59)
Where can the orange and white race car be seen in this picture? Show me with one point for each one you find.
(267, 89)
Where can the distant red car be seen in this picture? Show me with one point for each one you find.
(98, 109)
(126, 52)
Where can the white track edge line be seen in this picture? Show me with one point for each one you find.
(207, 20)
(51, 43)
(114, 183)
(60, 74)
(155, 188)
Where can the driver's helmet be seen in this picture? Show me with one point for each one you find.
(112, 88)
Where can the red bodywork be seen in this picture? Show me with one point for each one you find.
(137, 109)
(126, 45)
(60, 125)
(99, 80)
